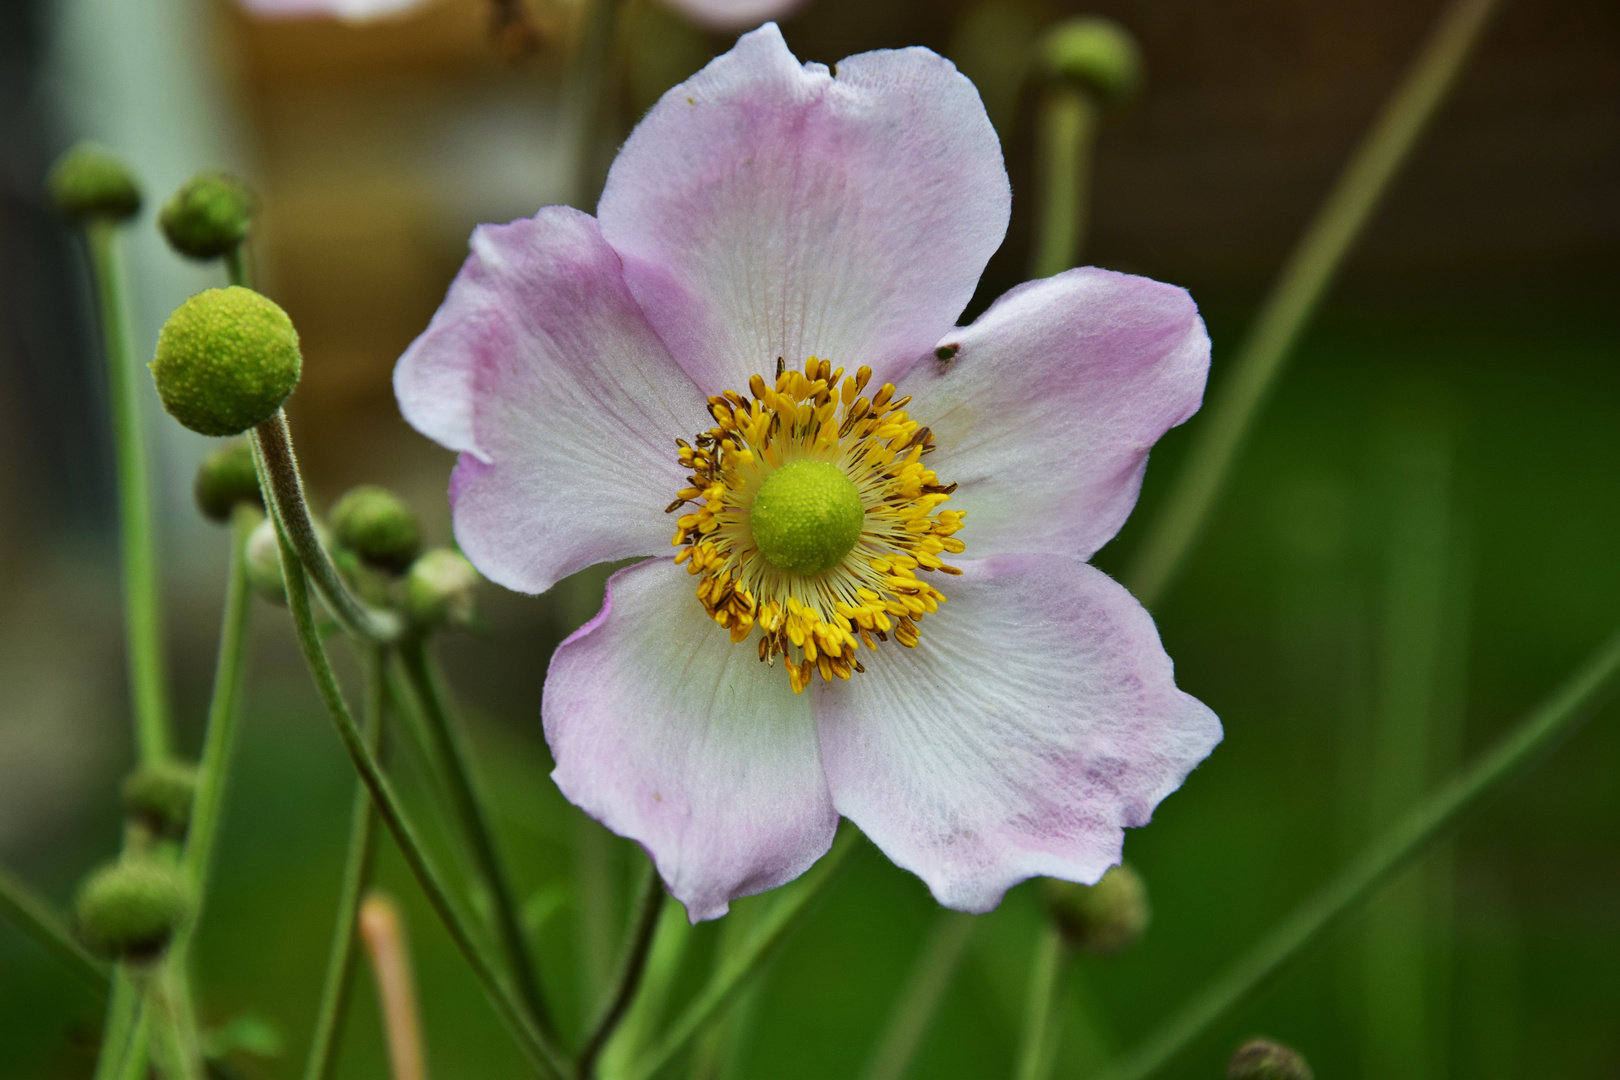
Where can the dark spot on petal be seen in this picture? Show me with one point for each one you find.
(946, 352)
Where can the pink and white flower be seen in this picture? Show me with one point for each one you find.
(764, 215)
(714, 14)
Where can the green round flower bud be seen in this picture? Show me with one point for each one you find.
(440, 588)
(373, 523)
(262, 561)
(1094, 54)
(806, 517)
(130, 909)
(226, 360)
(208, 217)
(90, 181)
(1262, 1059)
(1104, 918)
(226, 477)
(159, 796)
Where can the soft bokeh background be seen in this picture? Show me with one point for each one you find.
(1419, 542)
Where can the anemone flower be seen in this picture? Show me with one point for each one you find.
(878, 604)
(714, 14)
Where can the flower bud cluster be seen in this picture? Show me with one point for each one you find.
(159, 797)
(208, 217)
(89, 183)
(128, 910)
(1093, 54)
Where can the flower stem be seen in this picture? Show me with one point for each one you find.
(133, 1065)
(455, 765)
(123, 1008)
(1295, 294)
(735, 971)
(278, 475)
(536, 1047)
(383, 928)
(631, 969)
(1360, 878)
(333, 1008)
(31, 914)
(1068, 127)
(238, 267)
(930, 978)
(670, 938)
(143, 620)
(1037, 1043)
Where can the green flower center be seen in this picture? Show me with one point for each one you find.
(807, 516)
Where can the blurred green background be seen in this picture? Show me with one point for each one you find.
(1418, 544)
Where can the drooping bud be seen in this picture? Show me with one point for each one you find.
(90, 181)
(208, 216)
(1104, 918)
(225, 478)
(159, 796)
(1094, 54)
(374, 524)
(261, 560)
(440, 588)
(131, 908)
(226, 360)
(1263, 1059)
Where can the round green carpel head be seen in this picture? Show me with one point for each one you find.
(440, 588)
(130, 909)
(373, 523)
(226, 360)
(1094, 54)
(160, 795)
(806, 517)
(1102, 919)
(1263, 1059)
(208, 216)
(90, 181)
(225, 478)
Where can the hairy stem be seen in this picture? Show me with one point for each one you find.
(919, 999)
(1068, 126)
(631, 969)
(1295, 295)
(1359, 879)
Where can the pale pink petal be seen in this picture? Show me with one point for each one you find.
(1036, 720)
(540, 369)
(734, 14)
(347, 10)
(1047, 407)
(667, 733)
(765, 208)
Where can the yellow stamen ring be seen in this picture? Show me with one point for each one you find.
(813, 513)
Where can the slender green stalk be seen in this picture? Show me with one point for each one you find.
(1037, 1043)
(455, 765)
(137, 1056)
(636, 1031)
(735, 971)
(143, 617)
(238, 266)
(118, 1028)
(1068, 127)
(631, 969)
(167, 1002)
(333, 1009)
(1295, 295)
(536, 1047)
(31, 914)
(1360, 878)
(591, 95)
(925, 988)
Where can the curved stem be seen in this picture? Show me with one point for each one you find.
(143, 619)
(1037, 1043)
(531, 1040)
(914, 1009)
(785, 917)
(455, 765)
(333, 1008)
(631, 969)
(1294, 297)
(1360, 878)
(32, 915)
(1068, 126)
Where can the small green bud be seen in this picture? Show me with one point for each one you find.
(130, 909)
(1262, 1059)
(208, 217)
(262, 561)
(1094, 54)
(90, 181)
(159, 796)
(374, 524)
(226, 360)
(1104, 918)
(439, 588)
(226, 477)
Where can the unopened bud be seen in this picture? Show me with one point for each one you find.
(208, 217)
(1104, 918)
(374, 524)
(226, 360)
(440, 588)
(1263, 1059)
(1095, 54)
(90, 181)
(131, 908)
(159, 796)
(261, 559)
(225, 478)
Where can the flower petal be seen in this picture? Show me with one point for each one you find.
(765, 208)
(1046, 411)
(348, 10)
(667, 733)
(542, 371)
(1038, 717)
(734, 14)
